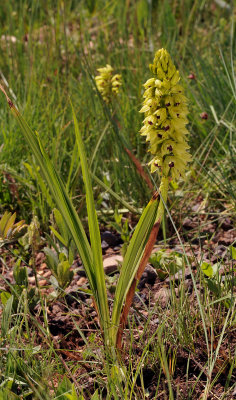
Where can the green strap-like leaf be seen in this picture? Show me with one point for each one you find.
(132, 260)
(61, 198)
(58, 236)
(95, 239)
(9, 224)
(4, 221)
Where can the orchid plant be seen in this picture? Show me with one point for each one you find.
(165, 109)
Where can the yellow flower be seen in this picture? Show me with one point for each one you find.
(107, 83)
(165, 110)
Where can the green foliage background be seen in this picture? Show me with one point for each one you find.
(50, 51)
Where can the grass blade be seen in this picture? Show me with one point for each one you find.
(116, 196)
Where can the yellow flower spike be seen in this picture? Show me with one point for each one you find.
(107, 83)
(165, 110)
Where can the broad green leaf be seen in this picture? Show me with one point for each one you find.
(4, 297)
(4, 221)
(74, 160)
(9, 225)
(233, 252)
(95, 396)
(213, 287)
(64, 274)
(60, 223)
(73, 395)
(208, 269)
(51, 259)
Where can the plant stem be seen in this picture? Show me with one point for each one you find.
(163, 193)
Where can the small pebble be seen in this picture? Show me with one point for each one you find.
(104, 245)
(43, 282)
(82, 281)
(47, 274)
(111, 239)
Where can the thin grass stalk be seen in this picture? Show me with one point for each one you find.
(163, 360)
(139, 168)
(213, 361)
(116, 196)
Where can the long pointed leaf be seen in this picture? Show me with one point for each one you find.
(131, 292)
(58, 191)
(95, 239)
(132, 260)
(9, 224)
(3, 222)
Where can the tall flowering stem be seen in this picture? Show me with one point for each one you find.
(164, 125)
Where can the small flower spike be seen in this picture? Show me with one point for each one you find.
(165, 110)
(107, 83)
